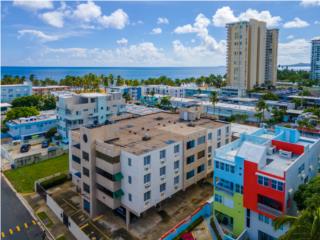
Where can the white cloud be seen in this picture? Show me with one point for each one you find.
(156, 31)
(142, 54)
(54, 18)
(296, 23)
(307, 3)
(33, 5)
(208, 47)
(42, 37)
(118, 19)
(87, 11)
(122, 42)
(297, 50)
(316, 22)
(162, 20)
(290, 37)
(225, 15)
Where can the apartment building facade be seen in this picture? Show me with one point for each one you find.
(11, 92)
(315, 59)
(250, 48)
(135, 164)
(34, 126)
(271, 62)
(256, 176)
(75, 110)
(46, 90)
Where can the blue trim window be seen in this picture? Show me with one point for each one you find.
(274, 184)
(162, 154)
(176, 148)
(147, 195)
(190, 174)
(147, 178)
(146, 160)
(260, 180)
(201, 140)
(176, 180)
(280, 186)
(218, 198)
(265, 181)
(191, 144)
(209, 136)
(190, 159)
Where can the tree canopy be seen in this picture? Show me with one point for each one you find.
(39, 102)
(19, 112)
(308, 195)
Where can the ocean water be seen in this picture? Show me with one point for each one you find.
(139, 73)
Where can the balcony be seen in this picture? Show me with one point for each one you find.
(269, 210)
(224, 189)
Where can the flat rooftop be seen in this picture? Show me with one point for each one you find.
(162, 129)
(44, 116)
(141, 110)
(49, 87)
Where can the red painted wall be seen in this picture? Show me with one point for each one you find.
(251, 189)
(295, 148)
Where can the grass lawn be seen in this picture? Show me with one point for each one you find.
(45, 219)
(23, 178)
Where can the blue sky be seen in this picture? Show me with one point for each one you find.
(98, 33)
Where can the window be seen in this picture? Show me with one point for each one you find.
(190, 159)
(85, 155)
(200, 168)
(218, 198)
(176, 180)
(260, 180)
(201, 154)
(217, 164)
(146, 160)
(274, 184)
(129, 161)
(190, 174)
(227, 167)
(130, 197)
(129, 179)
(162, 187)
(147, 195)
(201, 140)
(222, 166)
(301, 168)
(232, 169)
(85, 171)
(162, 154)
(218, 144)
(86, 206)
(176, 148)
(147, 178)
(265, 181)
(237, 188)
(190, 144)
(209, 136)
(76, 159)
(86, 188)
(280, 186)
(210, 162)
(209, 150)
(163, 171)
(219, 132)
(227, 141)
(176, 164)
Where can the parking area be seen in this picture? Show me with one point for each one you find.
(152, 225)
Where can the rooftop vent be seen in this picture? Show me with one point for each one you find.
(142, 128)
(159, 118)
(146, 137)
(163, 125)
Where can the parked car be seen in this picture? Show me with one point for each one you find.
(45, 144)
(25, 148)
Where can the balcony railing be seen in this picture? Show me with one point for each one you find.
(223, 189)
(269, 210)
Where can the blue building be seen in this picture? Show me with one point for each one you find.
(32, 127)
(134, 92)
(11, 92)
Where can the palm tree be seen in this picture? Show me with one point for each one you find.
(306, 226)
(261, 107)
(213, 99)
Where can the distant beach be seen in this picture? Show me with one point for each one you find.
(57, 73)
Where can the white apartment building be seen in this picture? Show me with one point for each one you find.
(163, 90)
(136, 163)
(76, 110)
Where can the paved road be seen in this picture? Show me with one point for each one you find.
(13, 214)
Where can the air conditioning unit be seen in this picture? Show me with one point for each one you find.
(146, 168)
(285, 154)
(176, 186)
(176, 170)
(147, 185)
(146, 203)
(162, 161)
(163, 178)
(162, 194)
(271, 150)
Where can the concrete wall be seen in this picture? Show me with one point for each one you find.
(55, 207)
